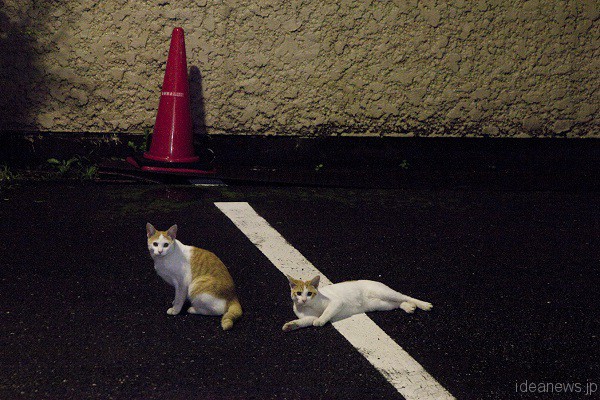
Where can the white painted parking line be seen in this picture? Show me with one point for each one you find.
(408, 377)
(207, 182)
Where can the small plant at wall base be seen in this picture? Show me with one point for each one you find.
(74, 167)
(145, 143)
(89, 173)
(7, 177)
(63, 167)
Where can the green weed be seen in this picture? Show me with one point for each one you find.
(76, 167)
(63, 167)
(144, 146)
(7, 177)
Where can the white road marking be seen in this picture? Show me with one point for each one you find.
(206, 182)
(408, 377)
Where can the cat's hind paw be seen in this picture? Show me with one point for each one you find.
(425, 306)
(172, 311)
(290, 326)
(408, 307)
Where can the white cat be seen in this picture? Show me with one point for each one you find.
(335, 302)
(196, 274)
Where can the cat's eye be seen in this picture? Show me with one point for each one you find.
(309, 293)
(166, 245)
(299, 293)
(155, 244)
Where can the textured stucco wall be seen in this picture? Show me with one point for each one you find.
(487, 67)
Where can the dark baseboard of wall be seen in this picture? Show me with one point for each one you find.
(391, 162)
(552, 164)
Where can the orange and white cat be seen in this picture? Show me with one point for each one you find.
(196, 274)
(316, 307)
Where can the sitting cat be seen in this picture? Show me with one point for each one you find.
(196, 274)
(342, 300)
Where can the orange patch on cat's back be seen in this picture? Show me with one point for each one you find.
(210, 275)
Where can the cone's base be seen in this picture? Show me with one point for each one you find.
(188, 169)
(183, 160)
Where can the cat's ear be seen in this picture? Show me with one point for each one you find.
(150, 230)
(314, 282)
(172, 232)
(292, 281)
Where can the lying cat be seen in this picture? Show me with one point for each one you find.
(342, 300)
(196, 274)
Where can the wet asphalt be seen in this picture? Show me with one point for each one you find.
(512, 274)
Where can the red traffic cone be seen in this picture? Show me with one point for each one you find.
(173, 139)
(172, 147)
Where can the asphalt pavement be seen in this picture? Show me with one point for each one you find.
(512, 274)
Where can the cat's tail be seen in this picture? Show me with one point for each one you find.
(234, 312)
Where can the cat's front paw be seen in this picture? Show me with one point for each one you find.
(408, 307)
(172, 311)
(290, 326)
(319, 322)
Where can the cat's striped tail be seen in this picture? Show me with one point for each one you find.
(234, 312)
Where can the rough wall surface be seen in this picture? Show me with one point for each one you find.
(308, 67)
